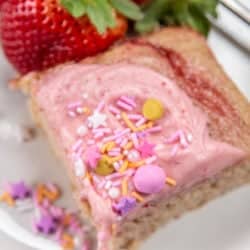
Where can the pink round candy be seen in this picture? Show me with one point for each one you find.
(149, 179)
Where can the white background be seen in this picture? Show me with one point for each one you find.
(224, 224)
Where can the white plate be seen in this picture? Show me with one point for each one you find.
(224, 224)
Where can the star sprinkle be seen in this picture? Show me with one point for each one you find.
(146, 149)
(47, 224)
(92, 156)
(97, 119)
(125, 205)
(20, 191)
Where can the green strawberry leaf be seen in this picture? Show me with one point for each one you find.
(77, 8)
(191, 13)
(128, 8)
(152, 15)
(97, 15)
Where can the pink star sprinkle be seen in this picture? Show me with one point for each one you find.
(92, 156)
(146, 149)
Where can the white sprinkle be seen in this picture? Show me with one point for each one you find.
(79, 110)
(80, 168)
(190, 137)
(151, 160)
(140, 122)
(125, 152)
(82, 130)
(114, 193)
(108, 185)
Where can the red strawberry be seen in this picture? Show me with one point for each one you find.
(37, 34)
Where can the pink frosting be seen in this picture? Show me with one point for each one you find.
(183, 147)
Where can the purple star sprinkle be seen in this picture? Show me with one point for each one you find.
(47, 224)
(20, 191)
(125, 205)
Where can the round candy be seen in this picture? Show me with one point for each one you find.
(153, 109)
(149, 179)
(104, 167)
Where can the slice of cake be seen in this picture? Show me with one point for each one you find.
(147, 131)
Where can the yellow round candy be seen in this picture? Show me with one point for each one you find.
(104, 167)
(153, 109)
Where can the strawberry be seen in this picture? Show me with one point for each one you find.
(37, 34)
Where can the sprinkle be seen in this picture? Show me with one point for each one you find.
(103, 130)
(46, 224)
(82, 130)
(117, 166)
(101, 184)
(79, 168)
(86, 110)
(74, 105)
(129, 145)
(114, 193)
(96, 179)
(116, 136)
(98, 135)
(116, 183)
(136, 164)
(153, 109)
(130, 172)
(124, 167)
(77, 145)
(100, 106)
(97, 119)
(145, 126)
(174, 150)
(134, 139)
(124, 142)
(173, 138)
(170, 181)
(106, 146)
(89, 176)
(114, 159)
(67, 242)
(124, 106)
(92, 156)
(80, 110)
(113, 153)
(151, 160)
(183, 140)
(137, 196)
(128, 122)
(146, 149)
(113, 110)
(19, 191)
(90, 142)
(125, 205)
(6, 197)
(104, 166)
(124, 187)
(155, 129)
(190, 137)
(133, 155)
(135, 117)
(128, 100)
(108, 185)
(71, 114)
(141, 122)
(113, 176)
